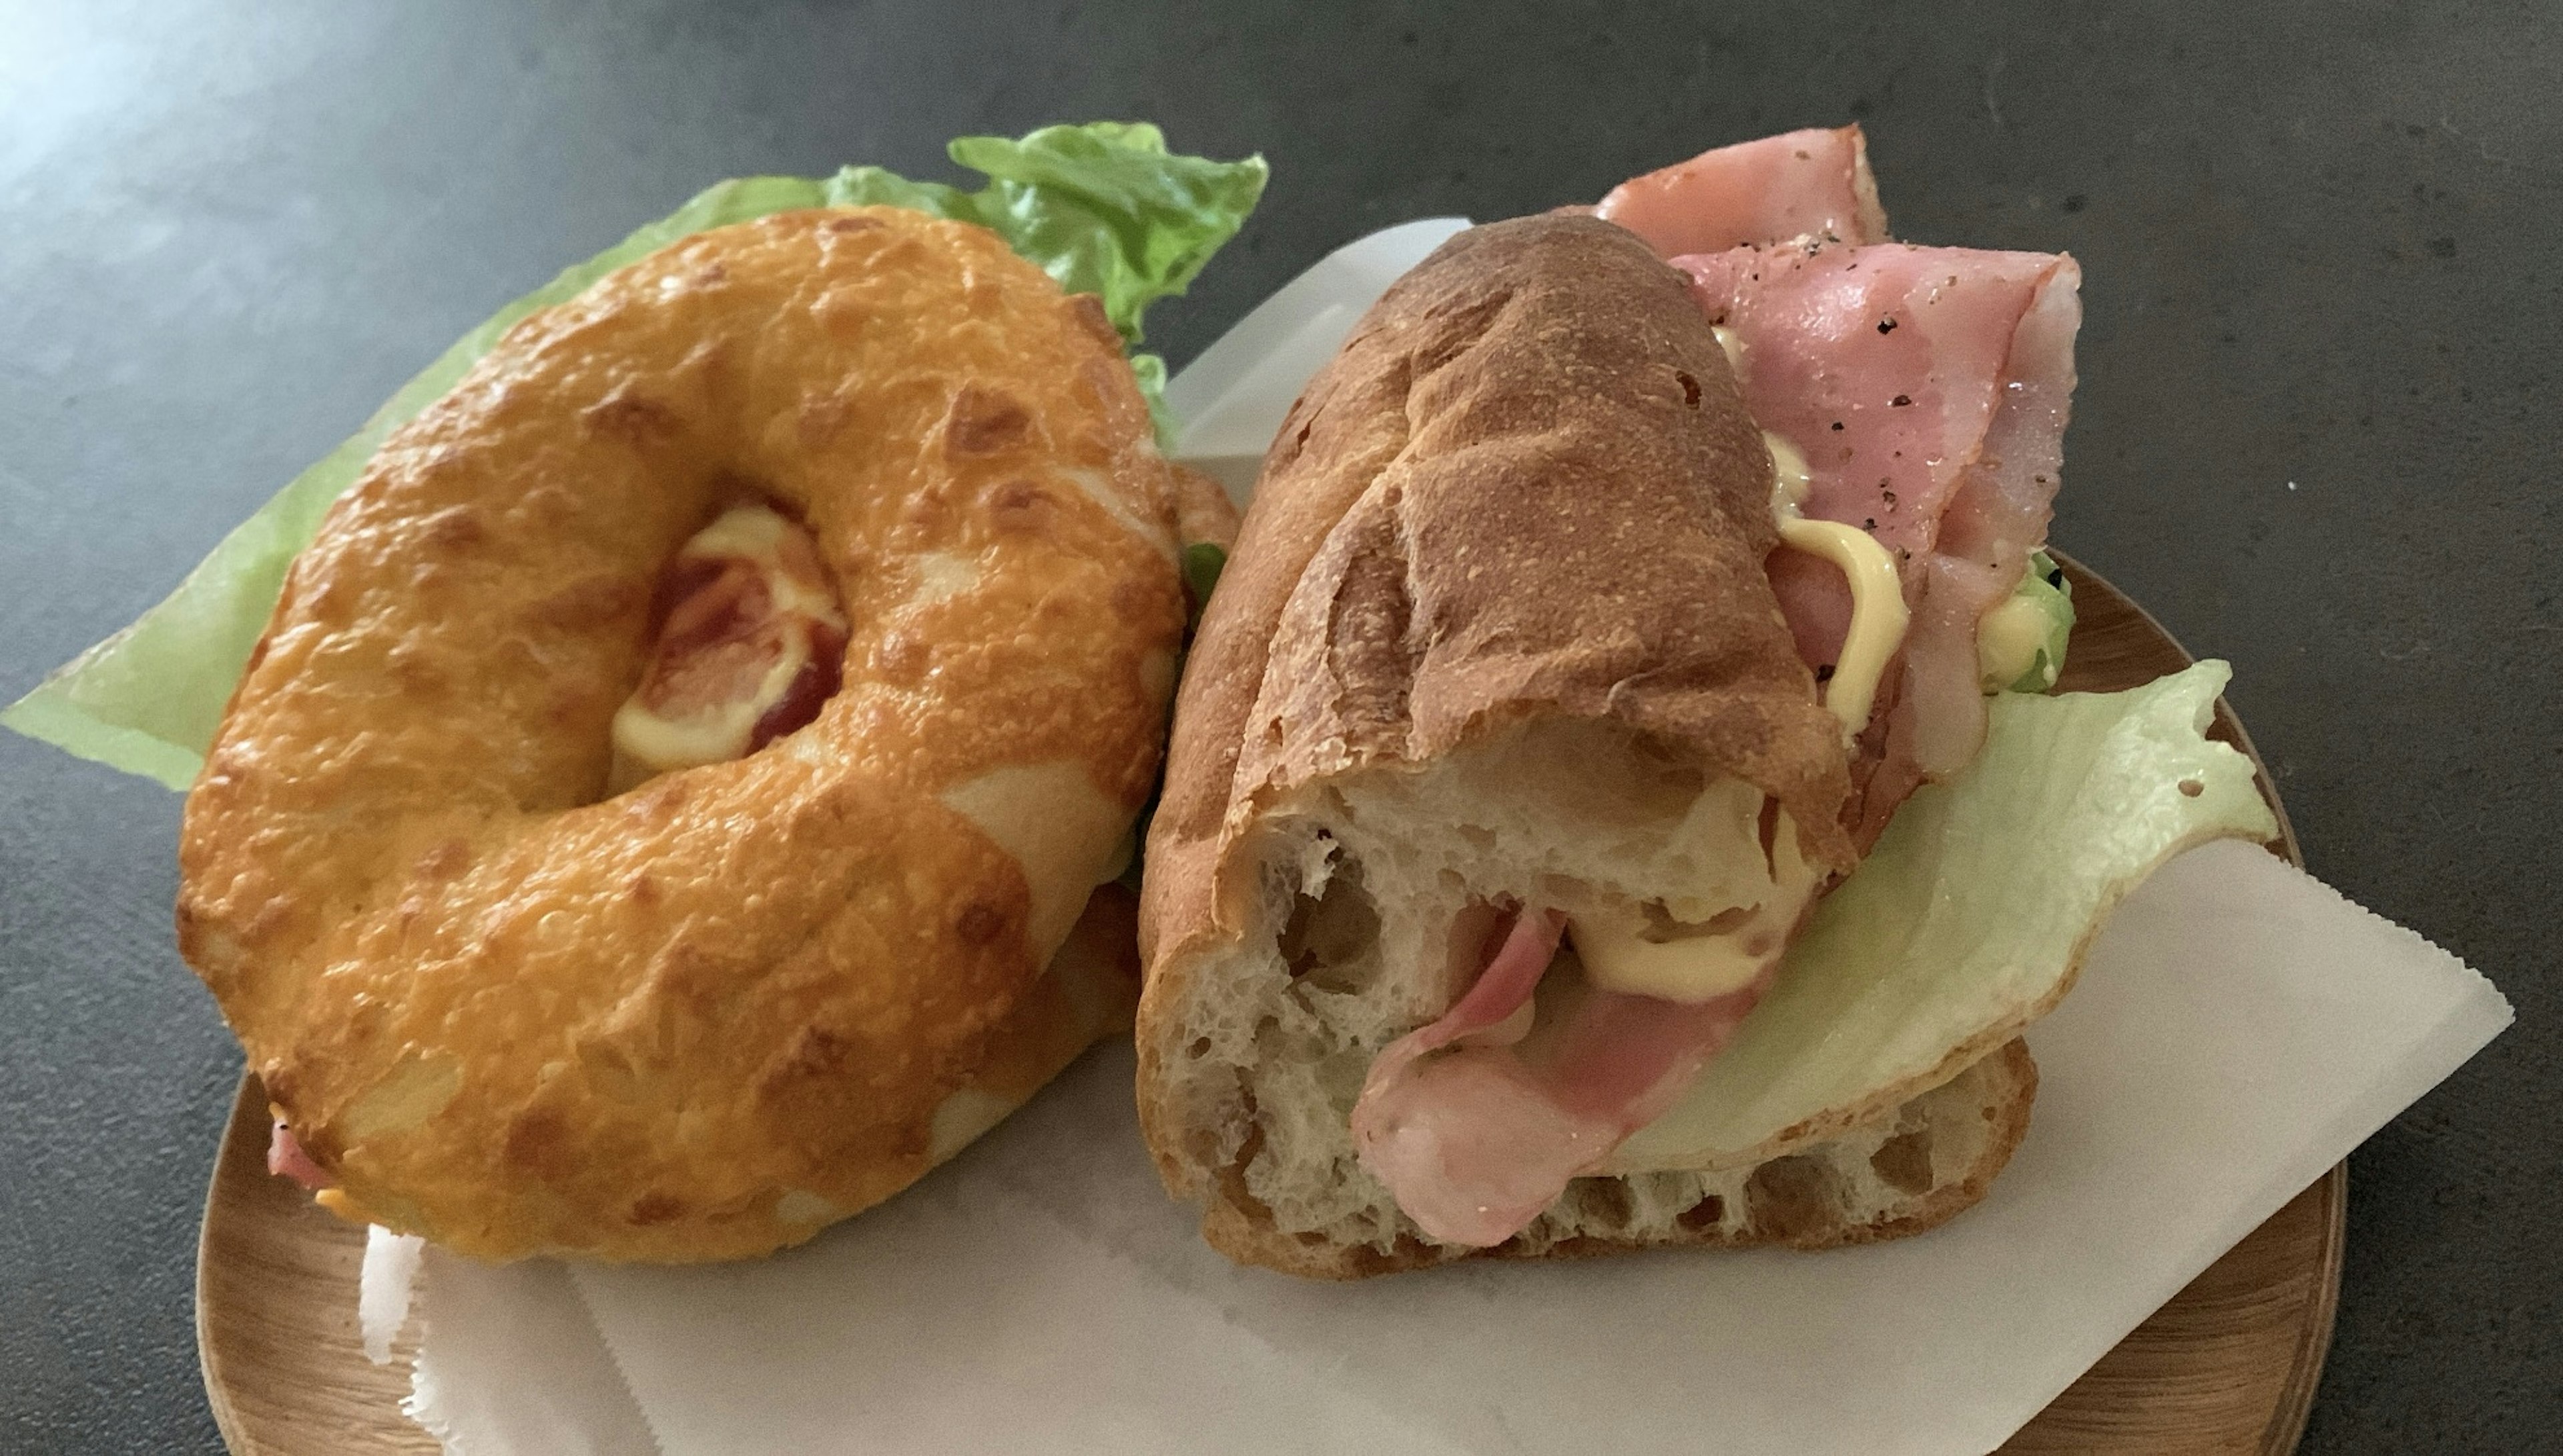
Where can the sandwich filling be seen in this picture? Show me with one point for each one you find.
(749, 641)
(1581, 1029)
(1799, 184)
(1579, 1025)
(1912, 401)
(1926, 391)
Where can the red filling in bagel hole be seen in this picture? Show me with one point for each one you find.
(747, 641)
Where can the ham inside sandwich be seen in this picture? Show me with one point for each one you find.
(1916, 396)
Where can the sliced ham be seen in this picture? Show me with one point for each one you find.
(1928, 389)
(1478, 1120)
(1779, 234)
(1799, 184)
(286, 1159)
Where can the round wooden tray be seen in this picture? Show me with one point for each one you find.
(2228, 1365)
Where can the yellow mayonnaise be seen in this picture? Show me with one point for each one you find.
(1877, 611)
(2010, 641)
(1623, 949)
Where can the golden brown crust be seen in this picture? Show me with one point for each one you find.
(1089, 992)
(520, 1020)
(1784, 1205)
(1526, 486)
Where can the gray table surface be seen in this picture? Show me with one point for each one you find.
(2316, 433)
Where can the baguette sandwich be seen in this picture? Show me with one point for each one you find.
(1541, 869)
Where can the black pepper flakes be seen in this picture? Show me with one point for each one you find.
(1900, 400)
(1886, 324)
(1890, 497)
(2041, 480)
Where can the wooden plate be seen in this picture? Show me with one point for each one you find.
(2228, 1365)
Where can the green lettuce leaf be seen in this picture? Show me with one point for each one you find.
(1104, 208)
(1970, 916)
(1203, 563)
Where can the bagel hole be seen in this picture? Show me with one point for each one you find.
(746, 640)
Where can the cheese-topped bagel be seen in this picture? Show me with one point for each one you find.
(496, 1002)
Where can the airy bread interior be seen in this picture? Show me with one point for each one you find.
(1351, 943)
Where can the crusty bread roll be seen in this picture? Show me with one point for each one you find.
(1496, 630)
(498, 1005)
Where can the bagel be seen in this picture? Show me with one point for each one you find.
(495, 1002)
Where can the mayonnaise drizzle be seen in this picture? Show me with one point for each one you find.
(1877, 611)
(1622, 952)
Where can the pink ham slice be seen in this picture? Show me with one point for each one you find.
(1811, 184)
(1928, 389)
(1478, 1120)
(286, 1159)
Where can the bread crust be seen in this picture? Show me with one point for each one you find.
(1793, 1213)
(1527, 485)
(705, 1017)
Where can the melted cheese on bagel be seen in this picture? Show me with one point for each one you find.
(503, 1005)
